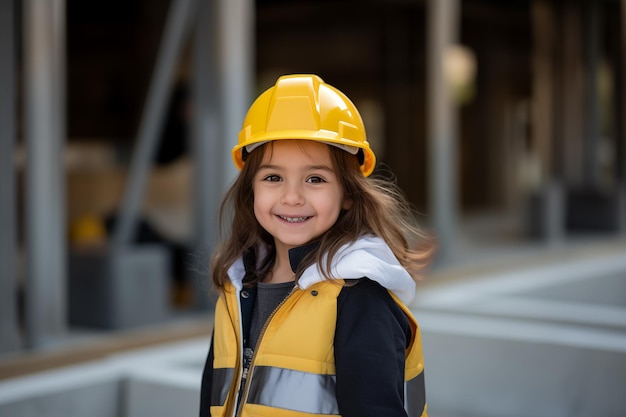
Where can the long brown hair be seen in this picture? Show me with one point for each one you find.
(377, 207)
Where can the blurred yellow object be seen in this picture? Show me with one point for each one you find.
(87, 230)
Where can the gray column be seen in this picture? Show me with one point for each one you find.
(542, 114)
(44, 113)
(9, 333)
(547, 218)
(443, 22)
(236, 69)
(209, 151)
(571, 123)
(224, 67)
(592, 48)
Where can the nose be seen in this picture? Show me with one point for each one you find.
(292, 195)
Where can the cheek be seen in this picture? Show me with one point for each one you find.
(335, 204)
(260, 204)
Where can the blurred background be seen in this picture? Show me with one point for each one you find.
(502, 121)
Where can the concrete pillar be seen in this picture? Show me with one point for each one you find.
(224, 68)
(542, 114)
(546, 206)
(592, 48)
(571, 107)
(44, 133)
(209, 151)
(9, 332)
(236, 69)
(442, 27)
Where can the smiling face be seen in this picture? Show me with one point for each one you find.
(297, 195)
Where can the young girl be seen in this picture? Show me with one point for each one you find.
(317, 270)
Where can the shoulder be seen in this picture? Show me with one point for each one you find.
(371, 340)
(365, 290)
(366, 301)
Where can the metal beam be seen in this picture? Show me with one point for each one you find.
(44, 113)
(9, 329)
(548, 215)
(592, 39)
(570, 109)
(542, 112)
(177, 26)
(442, 27)
(235, 59)
(223, 64)
(208, 150)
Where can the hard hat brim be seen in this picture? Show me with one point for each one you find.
(367, 167)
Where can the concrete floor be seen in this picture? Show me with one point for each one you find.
(508, 329)
(537, 331)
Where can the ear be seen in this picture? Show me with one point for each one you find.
(347, 204)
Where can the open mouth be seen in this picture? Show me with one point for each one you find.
(295, 219)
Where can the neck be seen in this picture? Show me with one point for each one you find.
(281, 271)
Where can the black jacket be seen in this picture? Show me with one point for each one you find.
(371, 336)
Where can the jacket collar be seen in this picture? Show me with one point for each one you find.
(237, 271)
(296, 255)
(368, 257)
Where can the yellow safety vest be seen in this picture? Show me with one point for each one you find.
(287, 380)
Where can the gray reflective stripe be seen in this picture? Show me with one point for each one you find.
(415, 396)
(222, 378)
(293, 390)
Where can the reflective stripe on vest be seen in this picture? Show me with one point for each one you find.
(222, 377)
(415, 398)
(293, 390)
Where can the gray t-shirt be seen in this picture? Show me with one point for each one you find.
(268, 297)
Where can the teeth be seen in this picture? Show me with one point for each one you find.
(294, 219)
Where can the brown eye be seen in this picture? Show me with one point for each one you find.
(315, 180)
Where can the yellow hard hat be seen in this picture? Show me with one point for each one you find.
(303, 106)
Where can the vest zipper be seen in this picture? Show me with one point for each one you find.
(235, 407)
(246, 387)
